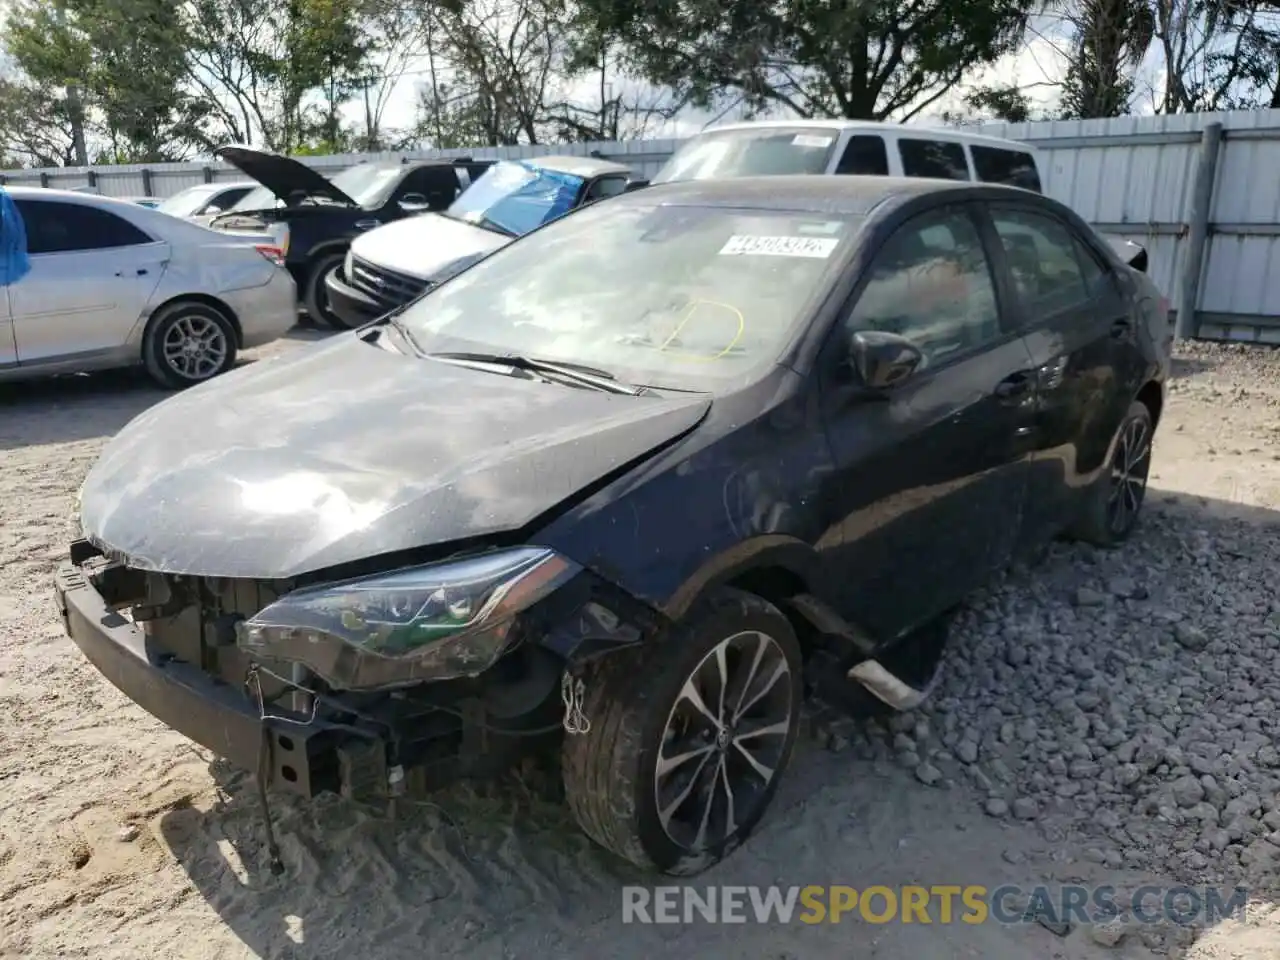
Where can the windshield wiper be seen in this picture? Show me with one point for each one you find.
(575, 372)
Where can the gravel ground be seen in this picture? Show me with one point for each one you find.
(1104, 718)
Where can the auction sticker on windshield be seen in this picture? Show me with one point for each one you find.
(748, 245)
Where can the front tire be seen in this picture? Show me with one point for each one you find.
(689, 736)
(188, 343)
(1115, 501)
(315, 297)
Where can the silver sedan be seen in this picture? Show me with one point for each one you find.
(116, 284)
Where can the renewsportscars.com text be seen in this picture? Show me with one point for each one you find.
(940, 903)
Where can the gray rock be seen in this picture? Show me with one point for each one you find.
(1187, 791)
(997, 808)
(967, 751)
(1190, 636)
(1088, 597)
(928, 774)
(1122, 587)
(1110, 934)
(1025, 808)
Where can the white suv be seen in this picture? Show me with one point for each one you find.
(866, 148)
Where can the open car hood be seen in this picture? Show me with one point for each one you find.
(282, 175)
(351, 451)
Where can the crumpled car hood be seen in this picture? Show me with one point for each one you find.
(351, 451)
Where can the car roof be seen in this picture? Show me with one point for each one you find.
(585, 167)
(850, 195)
(869, 126)
(68, 196)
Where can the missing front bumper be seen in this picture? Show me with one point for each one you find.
(207, 710)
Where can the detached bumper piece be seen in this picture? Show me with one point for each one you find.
(213, 713)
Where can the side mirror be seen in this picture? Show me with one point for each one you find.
(414, 203)
(883, 360)
(212, 210)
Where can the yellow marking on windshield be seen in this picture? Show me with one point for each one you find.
(688, 315)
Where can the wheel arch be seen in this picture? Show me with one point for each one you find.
(325, 248)
(775, 565)
(204, 299)
(1152, 397)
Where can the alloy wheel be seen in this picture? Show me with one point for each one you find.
(1129, 471)
(723, 741)
(195, 347)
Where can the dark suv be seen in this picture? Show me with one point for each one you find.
(315, 218)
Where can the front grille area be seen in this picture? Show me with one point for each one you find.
(387, 288)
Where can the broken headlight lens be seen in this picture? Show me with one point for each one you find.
(436, 622)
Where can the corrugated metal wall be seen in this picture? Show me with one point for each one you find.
(1130, 177)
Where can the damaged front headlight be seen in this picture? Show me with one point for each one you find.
(436, 622)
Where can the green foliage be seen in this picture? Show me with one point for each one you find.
(125, 57)
(817, 58)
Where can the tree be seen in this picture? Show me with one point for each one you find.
(82, 46)
(842, 58)
(1111, 38)
(35, 129)
(505, 61)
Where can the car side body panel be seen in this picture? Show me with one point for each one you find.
(942, 472)
(88, 310)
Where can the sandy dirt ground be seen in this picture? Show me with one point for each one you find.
(120, 839)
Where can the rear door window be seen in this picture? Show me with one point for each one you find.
(937, 159)
(1016, 168)
(54, 227)
(864, 155)
(1044, 258)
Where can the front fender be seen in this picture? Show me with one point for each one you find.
(769, 552)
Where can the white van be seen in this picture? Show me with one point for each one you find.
(863, 147)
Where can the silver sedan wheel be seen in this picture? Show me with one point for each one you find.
(724, 740)
(195, 347)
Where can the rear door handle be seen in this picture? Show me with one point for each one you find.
(366, 224)
(1014, 387)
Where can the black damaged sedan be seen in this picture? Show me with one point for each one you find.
(631, 486)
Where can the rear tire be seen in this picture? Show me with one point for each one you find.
(315, 297)
(1113, 504)
(657, 779)
(188, 343)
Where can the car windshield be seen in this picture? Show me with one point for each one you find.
(186, 202)
(517, 196)
(259, 198)
(367, 184)
(683, 297)
(751, 152)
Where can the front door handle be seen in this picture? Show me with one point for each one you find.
(1120, 328)
(1014, 387)
(366, 224)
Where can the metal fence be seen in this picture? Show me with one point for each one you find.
(1200, 191)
